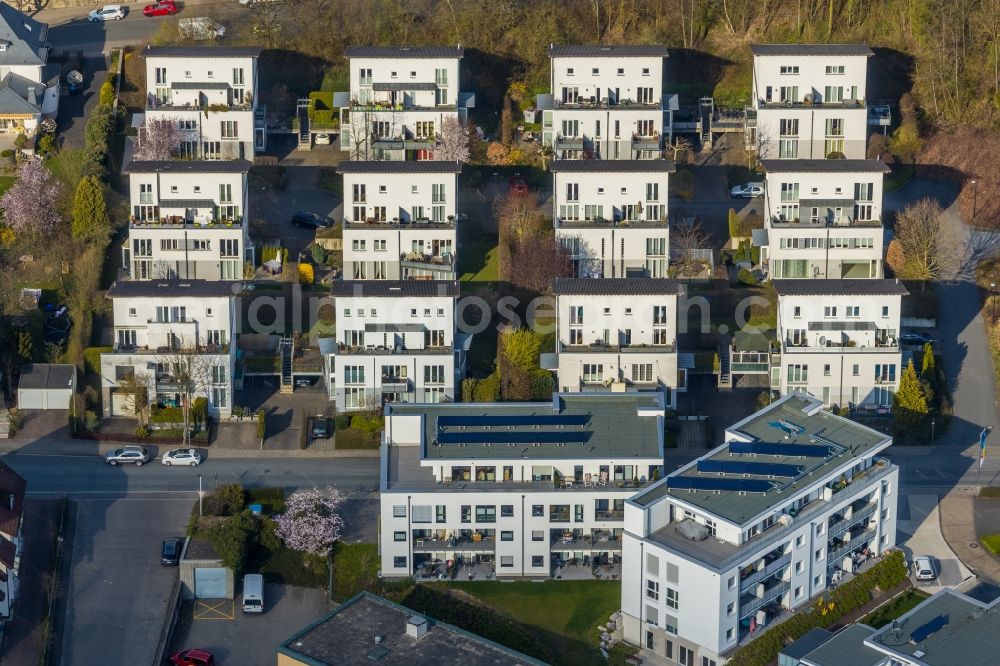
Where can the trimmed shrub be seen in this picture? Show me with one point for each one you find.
(199, 411)
(990, 492)
(306, 275)
(107, 93)
(352, 438)
(261, 424)
(342, 421)
(272, 498)
(748, 278)
(227, 500)
(21, 141)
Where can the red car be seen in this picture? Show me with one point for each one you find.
(192, 657)
(161, 8)
(518, 185)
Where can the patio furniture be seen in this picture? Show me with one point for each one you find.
(588, 480)
(603, 480)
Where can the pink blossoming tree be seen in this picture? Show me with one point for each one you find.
(453, 141)
(311, 522)
(29, 206)
(158, 139)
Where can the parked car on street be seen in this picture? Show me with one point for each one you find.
(915, 338)
(923, 568)
(170, 553)
(192, 657)
(189, 457)
(309, 221)
(107, 13)
(127, 454)
(160, 8)
(747, 191)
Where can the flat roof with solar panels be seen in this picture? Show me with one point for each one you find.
(577, 426)
(770, 457)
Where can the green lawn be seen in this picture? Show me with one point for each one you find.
(992, 543)
(479, 261)
(901, 176)
(570, 609)
(892, 610)
(6, 182)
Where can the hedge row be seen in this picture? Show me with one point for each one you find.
(826, 610)
(990, 492)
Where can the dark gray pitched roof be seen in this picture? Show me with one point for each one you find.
(808, 287)
(614, 286)
(46, 375)
(393, 288)
(188, 166)
(408, 166)
(173, 288)
(612, 166)
(824, 166)
(811, 50)
(404, 52)
(25, 38)
(599, 51)
(201, 52)
(20, 95)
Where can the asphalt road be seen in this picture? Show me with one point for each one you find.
(89, 477)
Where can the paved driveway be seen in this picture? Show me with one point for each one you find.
(919, 533)
(75, 109)
(302, 194)
(117, 591)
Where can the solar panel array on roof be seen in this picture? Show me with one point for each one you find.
(926, 630)
(513, 437)
(713, 483)
(790, 450)
(755, 468)
(514, 420)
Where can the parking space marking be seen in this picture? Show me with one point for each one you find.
(214, 609)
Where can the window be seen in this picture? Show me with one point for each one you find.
(856, 371)
(440, 513)
(399, 536)
(789, 69)
(829, 311)
(466, 513)
(799, 541)
(817, 581)
(731, 583)
(538, 510)
(797, 312)
(506, 535)
(834, 69)
(506, 561)
(649, 640)
(685, 655)
(731, 608)
(230, 129)
(673, 597)
(506, 510)
(399, 562)
(853, 311)
(538, 535)
(652, 564)
(645, 71)
(653, 590)
(798, 373)
(705, 661)
(538, 560)
(730, 634)
(818, 555)
(421, 513)
(486, 513)
(799, 566)
(669, 649)
(826, 369)
(569, 71)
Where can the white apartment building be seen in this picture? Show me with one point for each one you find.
(618, 334)
(188, 220)
(808, 101)
(29, 85)
(519, 490)
(166, 329)
(612, 216)
(794, 499)
(211, 92)
(824, 218)
(840, 340)
(606, 102)
(400, 220)
(12, 492)
(399, 99)
(395, 342)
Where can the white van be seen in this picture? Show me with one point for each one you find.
(253, 593)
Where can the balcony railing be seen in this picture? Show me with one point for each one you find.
(751, 604)
(606, 348)
(119, 348)
(178, 222)
(842, 524)
(461, 544)
(769, 570)
(877, 348)
(372, 350)
(442, 260)
(856, 541)
(605, 103)
(372, 224)
(779, 222)
(602, 223)
(610, 515)
(803, 104)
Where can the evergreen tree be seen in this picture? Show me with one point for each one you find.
(910, 402)
(90, 212)
(927, 368)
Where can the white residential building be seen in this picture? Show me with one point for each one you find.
(839, 340)
(29, 85)
(606, 102)
(211, 92)
(618, 334)
(823, 218)
(519, 490)
(400, 220)
(188, 220)
(396, 342)
(809, 101)
(12, 493)
(165, 329)
(795, 498)
(399, 99)
(612, 215)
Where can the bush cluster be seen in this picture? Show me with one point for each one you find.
(482, 390)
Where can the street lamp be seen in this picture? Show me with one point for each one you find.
(975, 198)
(993, 302)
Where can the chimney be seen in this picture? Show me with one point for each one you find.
(416, 627)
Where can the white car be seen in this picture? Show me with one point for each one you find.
(748, 191)
(923, 568)
(107, 13)
(189, 457)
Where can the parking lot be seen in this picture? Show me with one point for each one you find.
(117, 591)
(919, 533)
(235, 638)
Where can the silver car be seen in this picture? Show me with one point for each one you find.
(107, 13)
(136, 455)
(189, 457)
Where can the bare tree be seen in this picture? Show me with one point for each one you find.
(680, 146)
(158, 139)
(686, 243)
(190, 371)
(134, 389)
(453, 141)
(930, 246)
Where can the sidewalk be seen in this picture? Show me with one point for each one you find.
(959, 530)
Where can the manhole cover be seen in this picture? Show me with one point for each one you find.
(973, 545)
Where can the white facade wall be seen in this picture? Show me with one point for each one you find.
(840, 366)
(607, 340)
(613, 222)
(184, 89)
(812, 78)
(402, 71)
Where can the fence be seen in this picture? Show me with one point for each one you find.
(167, 631)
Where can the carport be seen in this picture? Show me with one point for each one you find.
(46, 386)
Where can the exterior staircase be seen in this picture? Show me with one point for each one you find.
(725, 370)
(302, 113)
(286, 349)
